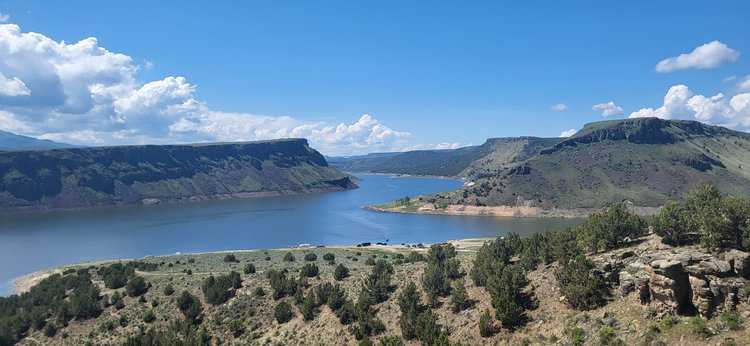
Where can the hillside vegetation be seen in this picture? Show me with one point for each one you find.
(472, 161)
(84, 177)
(646, 161)
(615, 279)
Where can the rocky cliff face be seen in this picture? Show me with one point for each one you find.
(83, 177)
(680, 280)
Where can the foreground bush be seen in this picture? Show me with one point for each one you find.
(609, 230)
(442, 267)
(309, 270)
(218, 290)
(507, 297)
(486, 325)
(281, 285)
(283, 312)
(341, 272)
(582, 287)
(190, 306)
(706, 215)
(136, 286)
(377, 285)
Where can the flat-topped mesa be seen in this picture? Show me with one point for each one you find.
(646, 161)
(643, 131)
(83, 177)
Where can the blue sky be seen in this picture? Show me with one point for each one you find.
(441, 72)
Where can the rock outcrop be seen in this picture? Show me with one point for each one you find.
(682, 280)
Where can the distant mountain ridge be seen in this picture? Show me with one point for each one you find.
(471, 161)
(11, 141)
(85, 177)
(646, 161)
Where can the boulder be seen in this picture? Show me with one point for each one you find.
(669, 287)
(703, 298)
(740, 262)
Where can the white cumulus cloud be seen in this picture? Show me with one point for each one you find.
(13, 87)
(744, 84)
(82, 93)
(707, 56)
(568, 133)
(608, 109)
(560, 107)
(682, 103)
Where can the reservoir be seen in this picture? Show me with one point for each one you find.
(35, 241)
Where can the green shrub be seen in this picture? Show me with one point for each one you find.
(249, 269)
(329, 257)
(308, 306)
(429, 331)
(459, 297)
(370, 261)
(391, 341)
(259, 292)
(608, 337)
(486, 325)
(136, 286)
(582, 287)
(442, 266)
(377, 284)
(731, 320)
(190, 306)
(281, 285)
(168, 290)
(671, 224)
(115, 275)
(309, 270)
(288, 257)
(409, 302)
(667, 322)
(283, 312)
(236, 328)
(310, 257)
(336, 298)
(698, 326)
(116, 300)
(414, 257)
(577, 336)
(608, 230)
(218, 290)
(347, 313)
(230, 258)
(507, 296)
(341, 272)
(149, 316)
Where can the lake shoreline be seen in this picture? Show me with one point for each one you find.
(500, 211)
(24, 283)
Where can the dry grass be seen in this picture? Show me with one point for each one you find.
(548, 324)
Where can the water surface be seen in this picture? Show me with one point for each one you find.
(31, 242)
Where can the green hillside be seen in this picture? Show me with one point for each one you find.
(492, 156)
(646, 161)
(83, 177)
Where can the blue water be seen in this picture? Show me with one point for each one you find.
(31, 242)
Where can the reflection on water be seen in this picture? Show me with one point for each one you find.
(30, 242)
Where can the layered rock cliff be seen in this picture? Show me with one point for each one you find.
(85, 177)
